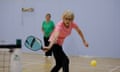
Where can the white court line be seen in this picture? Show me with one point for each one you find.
(28, 64)
(115, 68)
(40, 62)
(43, 64)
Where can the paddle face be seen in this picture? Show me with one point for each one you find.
(33, 43)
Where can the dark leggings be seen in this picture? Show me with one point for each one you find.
(61, 59)
(46, 42)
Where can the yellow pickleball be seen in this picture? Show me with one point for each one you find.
(93, 63)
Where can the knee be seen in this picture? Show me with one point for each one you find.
(67, 60)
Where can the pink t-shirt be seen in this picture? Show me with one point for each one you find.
(63, 32)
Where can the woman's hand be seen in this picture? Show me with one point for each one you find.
(85, 43)
(45, 49)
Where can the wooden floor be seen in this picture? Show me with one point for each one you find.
(38, 63)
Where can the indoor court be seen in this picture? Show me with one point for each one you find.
(88, 30)
(33, 62)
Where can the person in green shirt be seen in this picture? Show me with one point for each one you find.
(47, 28)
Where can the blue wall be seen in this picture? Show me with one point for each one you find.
(10, 21)
(98, 19)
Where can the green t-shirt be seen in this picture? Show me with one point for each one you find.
(48, 27)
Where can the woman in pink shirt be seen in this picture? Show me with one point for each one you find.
(61, 31)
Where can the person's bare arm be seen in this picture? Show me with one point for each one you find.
(42, 30)
(52, 42)
(82, 36)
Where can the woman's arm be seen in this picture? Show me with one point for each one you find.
(42, 30)
(56, 34)
(82, 36)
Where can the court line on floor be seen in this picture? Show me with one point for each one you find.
(115, 68)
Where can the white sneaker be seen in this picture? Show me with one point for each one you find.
(48, 56)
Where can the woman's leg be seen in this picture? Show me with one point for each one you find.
(57, 67)
(49, 53)
(61, 59)
(66, 64)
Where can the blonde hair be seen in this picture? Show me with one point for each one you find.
(68, 13)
